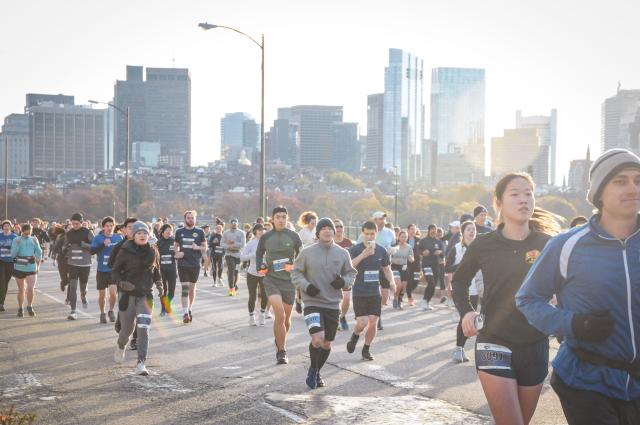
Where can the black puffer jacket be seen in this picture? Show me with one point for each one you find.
(139, 265)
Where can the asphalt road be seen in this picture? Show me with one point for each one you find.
(220, 370)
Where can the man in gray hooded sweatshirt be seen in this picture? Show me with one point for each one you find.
(321, 272)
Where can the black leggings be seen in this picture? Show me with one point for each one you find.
(430, 289)
(216, 266)
(168, 285)
(63, 271)
(252, 283)
(232, 270)
(5, 276)
(460, 338)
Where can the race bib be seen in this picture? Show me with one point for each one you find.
(186, 243)
(105, 260)
(218, 250)
(76, 254)
(372, 276)
(416, 275)
(492, 356)
(312, 320)
(5, 252)
(278, 265)
(404, 268)
(165, 259)
(396, 274)
(428, 271)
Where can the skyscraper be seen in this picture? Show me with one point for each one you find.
(282, 139)
(66, 138)
(621, 120)
(458, 114)
(547, 131)
(375, 132)
(315, 137)
(346, 147)
(15, 131)
(232, 134)
(159, 108)
(520, 149)
(403, 106)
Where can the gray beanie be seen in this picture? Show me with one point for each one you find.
(605, 168)
(324, 222)
(139, 226)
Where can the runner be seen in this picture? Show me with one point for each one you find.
(430, 249)
(102, 246)
(307, 223)
(78, 251)
(136, 271)
(6, 260)
(275, 254)
(167, 267)
(511, 355)
(369, 258)
(345, 243)
(41, 234)
(453, 259)
(233, 240)
(59, 256)
(401, 257)
(480, 219)
(207, 231)
(413, 238)
(27, 255)
(385, 238)
(594, 271)
(217, 254)
(190, 244)
(322, 271)
(254, 280)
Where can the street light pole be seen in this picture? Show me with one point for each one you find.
(127, 142)
(395, 215)
(6, 177)
(262, 210)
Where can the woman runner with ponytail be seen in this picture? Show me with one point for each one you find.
(511, 355)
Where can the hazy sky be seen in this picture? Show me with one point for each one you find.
(537, 55)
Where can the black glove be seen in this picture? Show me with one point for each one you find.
(338, 283)
(311, 290)
(594, 327)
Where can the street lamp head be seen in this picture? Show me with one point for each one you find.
(94, 102)
(207, 26)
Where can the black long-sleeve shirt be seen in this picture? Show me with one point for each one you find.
(504, 264)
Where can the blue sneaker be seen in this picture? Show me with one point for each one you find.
(312, 379)
(343, 324)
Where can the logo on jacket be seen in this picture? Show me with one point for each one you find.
(194, 234)
(531, 256)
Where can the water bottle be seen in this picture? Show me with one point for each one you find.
(478, 322)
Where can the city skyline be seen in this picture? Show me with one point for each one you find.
(566, 66)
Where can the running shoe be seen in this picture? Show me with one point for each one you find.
(133, 345)
(410, 301)
(343, 324)
(252, 320)
(269, 315)
(190, 316)
(73, 315)
(395, 303)
(366, 355)
(443, 300)
(63, 285)
(185, 318)
(261, 318)
(312, 378)
(380, 327)
(281, 357)
(464, 355)
(298, 307)
(351, 345)
(85, 304)
(424, 304)
(163, 313)
(2, 308)
(30, 311)
(450, 303)
(141, 369)
(103, 318)
(20, 313)
(400, 304)
(119, 354)
(458, 355)
(112, 316)
(319, 381)
(230, 293)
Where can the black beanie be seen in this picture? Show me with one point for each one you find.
(479, 210)
(76, 217)
(324, 222)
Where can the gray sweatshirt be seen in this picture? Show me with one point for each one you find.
(320, 264)
(238, 237)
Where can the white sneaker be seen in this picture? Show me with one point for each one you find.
(458, 355)
(464, 356)
(119, 354)
(450, 303)
(73, 315)
(141, 369)
(269, 316)
(424, 305)
(252, 320)
(262, 318)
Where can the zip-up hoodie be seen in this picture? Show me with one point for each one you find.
(27, 252)
(320, 264)
(589, 271)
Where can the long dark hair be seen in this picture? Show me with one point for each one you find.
(541, 220)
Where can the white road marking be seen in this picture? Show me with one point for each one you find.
(295, 418)
(58, 300)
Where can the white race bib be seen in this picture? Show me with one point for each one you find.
(428, 271)
(372, 276)
(278, 265)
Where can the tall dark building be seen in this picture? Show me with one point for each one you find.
(282, 139)
(375, 132)
(160, 110)
(346, 147)
(315, 133)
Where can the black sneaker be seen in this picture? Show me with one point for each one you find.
(281, 357)
(298, 307)
(133, 345)
(31, 312)
(311, 381)
(112, 316)
(380, 328)
(319, 381)
(103, 318)
(85, 304)
(351, 345)
(2, 308)
(185, 318)
(20, 313)
(63, 285)
(190, 317)
(366, 355)
(443, 300)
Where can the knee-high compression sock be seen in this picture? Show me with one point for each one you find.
(323, 356)
(314, 356)
(185, 298)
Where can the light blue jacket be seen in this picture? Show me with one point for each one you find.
(589, 271)
(22, 248)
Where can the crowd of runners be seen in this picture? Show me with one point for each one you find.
(516, 281)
